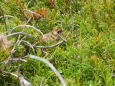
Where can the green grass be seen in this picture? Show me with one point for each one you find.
(88, 56)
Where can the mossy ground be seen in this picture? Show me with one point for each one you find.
(88, 56)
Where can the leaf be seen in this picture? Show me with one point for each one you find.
(35, 14)
(42, 12)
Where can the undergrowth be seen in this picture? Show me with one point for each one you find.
(87, 58)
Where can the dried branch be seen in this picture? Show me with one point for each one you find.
(6, 16)
(36, 29)
(18, 33)
(12, 52)
(28, 44)
(51, 66)
(10, 73)
(15, 59)
(28, 20)
(31, 12)
(58, 43)
(23, 82)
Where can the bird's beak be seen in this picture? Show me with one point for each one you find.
(60, 31)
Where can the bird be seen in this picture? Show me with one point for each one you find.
(54, 35)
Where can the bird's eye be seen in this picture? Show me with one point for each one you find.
(60, 31)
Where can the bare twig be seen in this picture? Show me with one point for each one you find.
(32, 12)
(16, 44)
(23, 82)
(10, 74)
(31, 15)
(51, 66)
(58, 43)
(29, 44)
(18, 33)
(36, 29)
(28, 20)
(12, 51)
(15, 59)
(6, 16)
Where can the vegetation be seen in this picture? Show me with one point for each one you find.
(86, 58)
